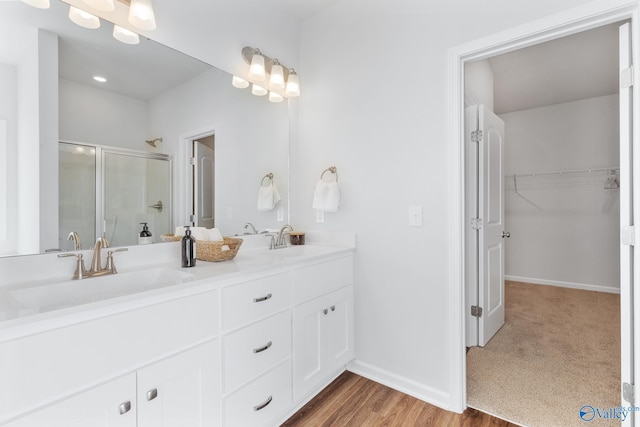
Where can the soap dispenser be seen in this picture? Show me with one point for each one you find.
(188, 249)
(144, 238)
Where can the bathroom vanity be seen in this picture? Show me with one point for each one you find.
(239, 343)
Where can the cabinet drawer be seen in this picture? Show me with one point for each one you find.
(261, 402)
(319, 279)
(256, 348)
(256, 299)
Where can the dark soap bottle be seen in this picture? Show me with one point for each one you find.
(188, 249)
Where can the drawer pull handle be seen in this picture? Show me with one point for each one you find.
(261, 349)
(152, 394)
(125, 407)
(264, 298)
(263, 404)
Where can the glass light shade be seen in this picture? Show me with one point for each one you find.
(276, 80)
(125, 36)
(293, 85)
(104, 5)
(275, 97)
(258, 90)
(40, 4)
(141, 15)
(256, 70)
(239, 82)
(84, 19)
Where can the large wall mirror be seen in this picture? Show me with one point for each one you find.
(156, 103)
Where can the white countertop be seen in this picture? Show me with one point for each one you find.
(19, 319)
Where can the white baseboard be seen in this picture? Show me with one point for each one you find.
(402, 384)
(583, 286)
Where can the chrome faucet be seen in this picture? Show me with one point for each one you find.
(279, 240)
(96, 261)
(77, 244)
(253, 229)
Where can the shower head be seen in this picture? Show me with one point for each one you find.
(153, 142)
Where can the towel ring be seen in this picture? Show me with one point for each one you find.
(269, 176)
(331, 169)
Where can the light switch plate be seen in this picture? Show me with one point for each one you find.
(280, 215)
(415, 216)
(319, 216)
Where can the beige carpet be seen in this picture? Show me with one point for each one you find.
(558, 350)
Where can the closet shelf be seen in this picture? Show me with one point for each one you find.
(607, 178)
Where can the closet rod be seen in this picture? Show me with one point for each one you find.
(567, 172)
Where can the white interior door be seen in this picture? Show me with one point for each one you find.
(204, 176)
(627, 252)
(491, 233)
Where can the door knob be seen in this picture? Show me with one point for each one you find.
(506, 234)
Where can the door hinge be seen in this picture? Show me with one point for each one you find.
(626, 78)
(192, 161)
(193, 218)
(476, 311)
(628, 235)
(476, 136)
(476, 223)
(629, 393)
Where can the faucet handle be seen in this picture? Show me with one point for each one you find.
(81, 271)
(110, 265)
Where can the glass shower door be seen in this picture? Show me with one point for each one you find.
(137, 190)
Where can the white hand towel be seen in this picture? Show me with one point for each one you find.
(199, 233)
(326, 196)
(268, 197)
(214, 235)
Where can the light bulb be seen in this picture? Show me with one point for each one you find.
(258, 90)
(293, 85)
(125, 36)
(275, 97)
(239, 82)
(276, 80)
(104, 5)
(256, 70)
(141, 15)
(40, 4)
(84, 19)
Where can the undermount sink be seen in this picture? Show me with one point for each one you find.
(75, 292)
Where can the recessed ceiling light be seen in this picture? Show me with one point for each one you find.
(99, 79)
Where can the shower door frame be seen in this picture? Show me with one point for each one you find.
(100, 178)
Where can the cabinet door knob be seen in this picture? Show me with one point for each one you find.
(263, 404)
(264, 298)
(152, 394)
(263, 348)
(333, 308)
(125, 407)
(325, 311)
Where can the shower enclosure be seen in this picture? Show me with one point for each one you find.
(110, 191)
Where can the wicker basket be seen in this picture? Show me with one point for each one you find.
(212, 251)
(170, 238)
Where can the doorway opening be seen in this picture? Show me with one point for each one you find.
(556, 192)
(202, 177)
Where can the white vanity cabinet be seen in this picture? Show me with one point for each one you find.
(174, 392)
(323, 339)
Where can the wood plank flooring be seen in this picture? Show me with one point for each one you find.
(352, 400)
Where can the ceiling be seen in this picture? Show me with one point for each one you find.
(580, 66)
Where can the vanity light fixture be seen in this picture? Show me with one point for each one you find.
(125, 36)
(141, 15)
(275, 97)
(239, 82)
(258, 90)
(103, 5)
(40, 4)
(84, 19)
(100, 79)
(282, 81)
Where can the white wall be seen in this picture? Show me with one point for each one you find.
(564, 229)
(251, 140)
(478, 84)
(8, 180)
(374, 103)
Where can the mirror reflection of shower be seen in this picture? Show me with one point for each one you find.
(110, 191)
